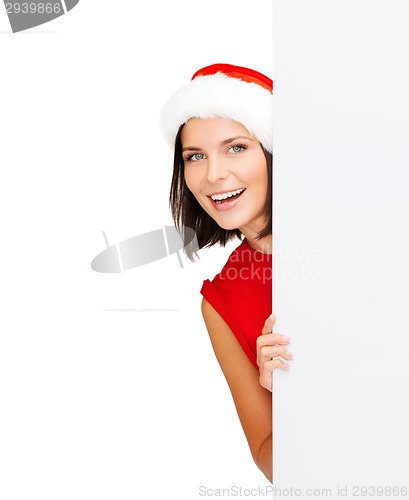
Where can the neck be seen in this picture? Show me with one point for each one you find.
(264, 245)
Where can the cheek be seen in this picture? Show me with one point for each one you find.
(192, 180)
(259, 176)
(263, 171)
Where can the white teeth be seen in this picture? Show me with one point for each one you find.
(217, 197)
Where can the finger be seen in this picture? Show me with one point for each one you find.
(271, 339)
(268, 352)
(266, 381)
(267, 328)
(269, 323)
(266, 373)
(274, 364)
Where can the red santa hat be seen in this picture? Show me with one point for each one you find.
(224, 90)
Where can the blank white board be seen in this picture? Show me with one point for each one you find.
(341, 213)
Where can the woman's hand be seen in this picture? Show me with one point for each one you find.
(271, 350)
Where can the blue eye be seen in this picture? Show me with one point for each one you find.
(237, 148)
(195, 157)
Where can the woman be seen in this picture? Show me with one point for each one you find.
(220, 126)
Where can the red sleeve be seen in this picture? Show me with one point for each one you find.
(242, 294)
(215, 299)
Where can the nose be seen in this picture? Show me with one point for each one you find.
(216, 169)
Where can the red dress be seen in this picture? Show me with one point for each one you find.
(242, 294)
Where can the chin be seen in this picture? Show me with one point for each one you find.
(229, 226)
(226, 227)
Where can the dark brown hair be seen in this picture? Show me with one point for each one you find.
(187, 212)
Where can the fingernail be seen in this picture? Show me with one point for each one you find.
(290, 355)
(286, 367)
(286, 339)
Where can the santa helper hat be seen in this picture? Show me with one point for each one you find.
(227, 91)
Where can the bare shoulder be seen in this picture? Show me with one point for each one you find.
(252, 401)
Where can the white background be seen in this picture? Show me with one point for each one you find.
(95, 403)
(341, 246)
(115, 404)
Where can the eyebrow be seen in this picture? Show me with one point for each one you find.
(223, 143)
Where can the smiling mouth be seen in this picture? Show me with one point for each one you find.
(219, 199)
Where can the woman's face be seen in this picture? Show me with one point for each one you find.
(226, 170)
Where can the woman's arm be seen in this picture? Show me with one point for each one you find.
(252, 401)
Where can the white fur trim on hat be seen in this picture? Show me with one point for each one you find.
(215, 95)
